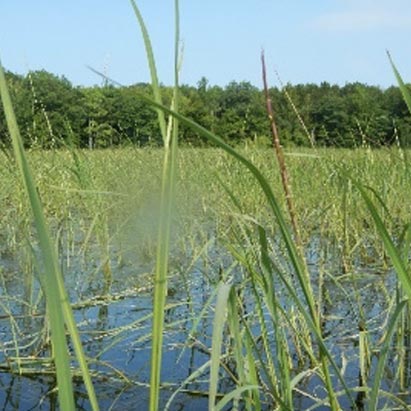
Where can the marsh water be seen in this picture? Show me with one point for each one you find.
(113, 309)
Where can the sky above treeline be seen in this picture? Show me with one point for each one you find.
(305, 41)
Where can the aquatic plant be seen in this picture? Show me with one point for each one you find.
(59, 312)
(275, 304)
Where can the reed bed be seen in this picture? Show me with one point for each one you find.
(185, 258)
(125, 183)
(220, 232)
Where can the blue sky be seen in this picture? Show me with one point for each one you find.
(337, 41)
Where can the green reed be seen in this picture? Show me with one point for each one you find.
(279, 371)
(170, 141)
(237, 228)
(125, 180)
(58, 306)
(268, 316)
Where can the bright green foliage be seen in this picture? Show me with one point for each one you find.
(59, 310)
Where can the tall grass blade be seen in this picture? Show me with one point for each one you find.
(373, 401)
(152, 67)
(244, 363)
(404, 90)
(58, 305)
(170, 140)
(217, 339)
(394, 254)
(51, 269)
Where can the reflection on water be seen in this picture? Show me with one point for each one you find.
(115, 326)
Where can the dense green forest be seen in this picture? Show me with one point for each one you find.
(53, 113)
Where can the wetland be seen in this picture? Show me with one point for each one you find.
(102, 207)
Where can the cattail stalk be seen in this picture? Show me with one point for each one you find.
(280, 157)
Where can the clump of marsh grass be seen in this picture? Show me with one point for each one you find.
(307, 309)
(269, 333)
(59, 311)
(300, 296)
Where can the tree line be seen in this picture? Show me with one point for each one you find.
(52, 112)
